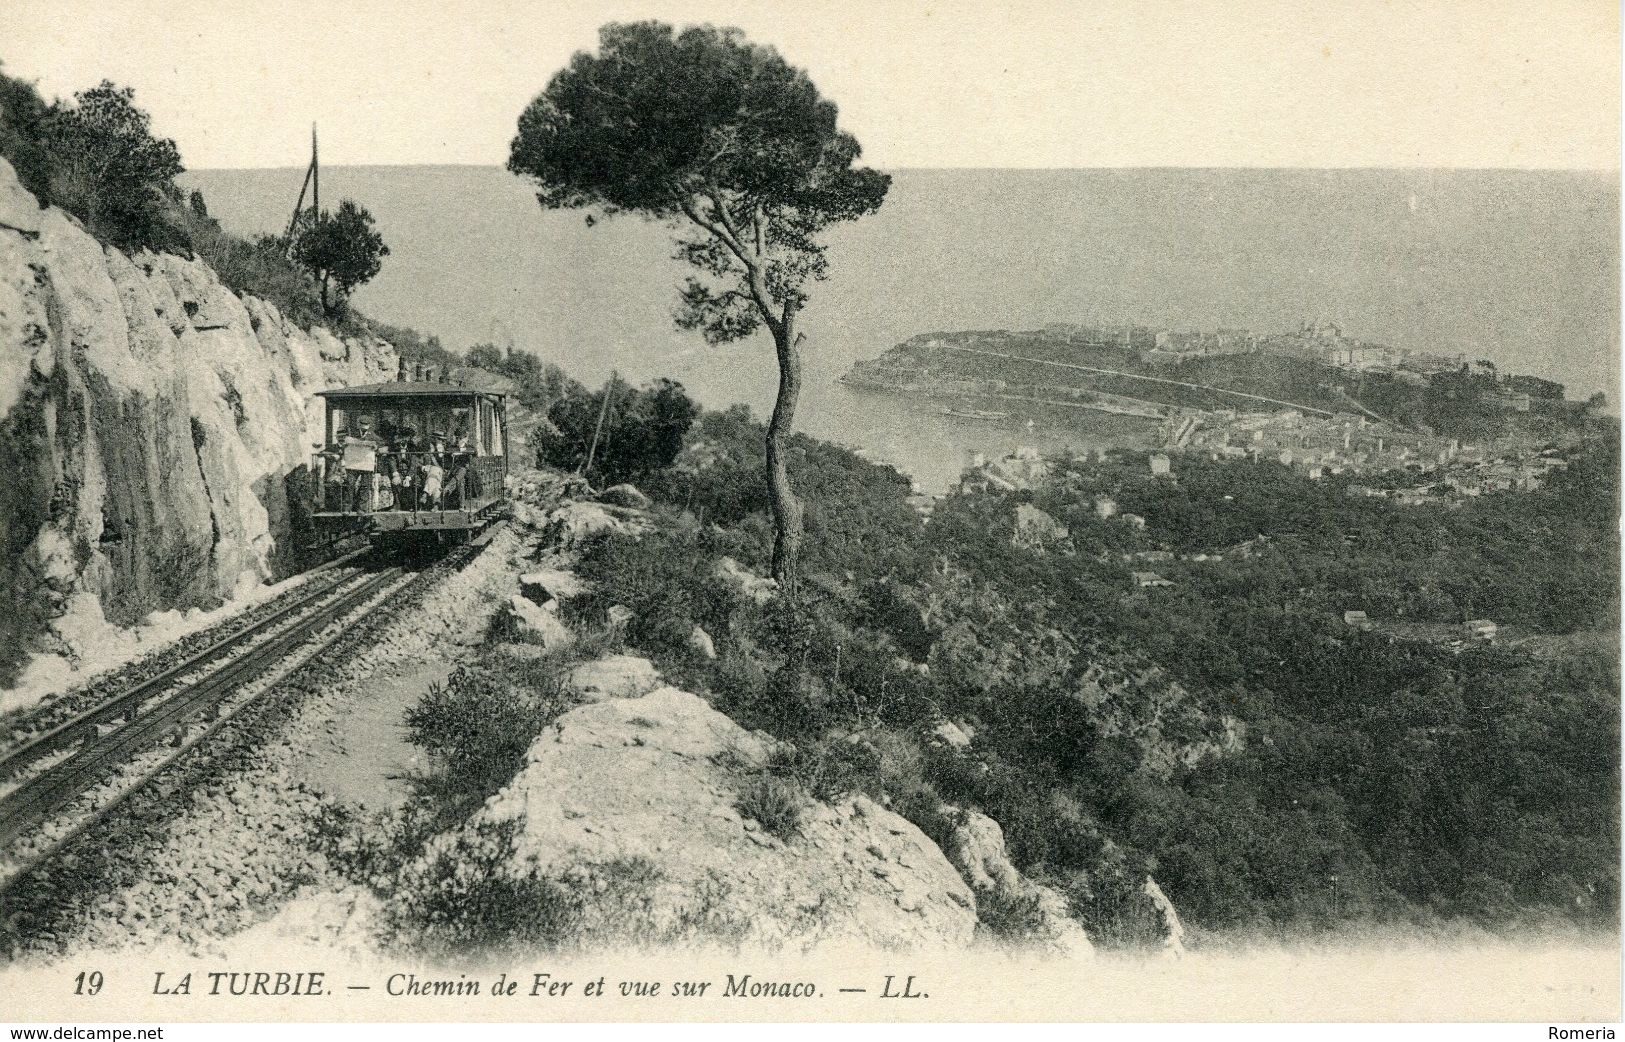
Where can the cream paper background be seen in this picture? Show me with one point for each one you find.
(1452, 83)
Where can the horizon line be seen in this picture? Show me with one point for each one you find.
(1615, 171)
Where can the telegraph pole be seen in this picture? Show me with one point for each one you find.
(315, 174)
(313, 177)
(603, 408)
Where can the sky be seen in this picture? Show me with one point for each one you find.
(1111, 83)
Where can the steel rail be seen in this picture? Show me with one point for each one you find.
(41, 796)
(125, 702)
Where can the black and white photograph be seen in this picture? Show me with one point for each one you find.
(660, 511)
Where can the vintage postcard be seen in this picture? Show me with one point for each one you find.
(696, 511)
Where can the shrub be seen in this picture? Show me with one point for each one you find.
(774, 802)
(667, 579)
(478, 897)
(1116, 913)
(505, 627)
(261, 267)
(479, 725)
(828, 769)
(925, 809)
(467, 900)
(415, 347)
(1010, 918)
(109, 170)
(538, 385)
(22, 135)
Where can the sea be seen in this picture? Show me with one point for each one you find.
(1518, 267)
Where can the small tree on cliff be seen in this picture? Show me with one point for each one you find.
(739, 153)
(340, 251)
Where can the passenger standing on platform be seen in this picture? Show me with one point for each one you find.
(360, 465)
(406, 472)
(457, 469)
(433, 471)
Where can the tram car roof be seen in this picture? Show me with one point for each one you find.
(409, 389)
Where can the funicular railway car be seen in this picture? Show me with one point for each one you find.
(413, 455)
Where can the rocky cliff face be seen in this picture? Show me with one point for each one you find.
(154, 426)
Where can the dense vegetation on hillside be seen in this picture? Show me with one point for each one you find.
(1270, 765)
(618, 433)
(1541, 560)
(97, 158)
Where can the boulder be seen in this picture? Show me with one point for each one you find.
(978, 852)
(951, 735)
(614, 676)
(624, 496)
(546, 486)
(746, 582)
(550, 584)
(619, 615)
(532, 622)
(701, 643)
(572, 524)
(1061, 932)
(1173, 931)
(659, 779)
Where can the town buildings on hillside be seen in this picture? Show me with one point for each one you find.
(1317, 341)
(1318, 446)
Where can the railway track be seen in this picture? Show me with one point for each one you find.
(25, 727)
(95, 790)
(123, 702)
(77, 774)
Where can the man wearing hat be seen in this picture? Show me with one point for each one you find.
(434, 469)
(360, 462)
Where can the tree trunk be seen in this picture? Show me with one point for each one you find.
(786, 507)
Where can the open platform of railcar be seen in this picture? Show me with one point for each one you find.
(410, 455)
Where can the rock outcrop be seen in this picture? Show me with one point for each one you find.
(700, 643)
(1173, 931)
(546, 585)
(624, 496)
(1035, 529)
(978, 852)
(746, 582)
(659, 779)
(614, 676)
(156, 426)
(575, 522)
